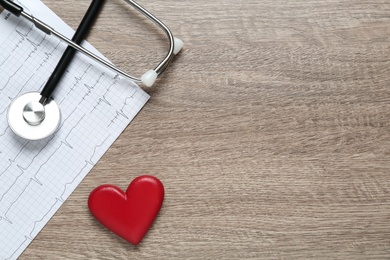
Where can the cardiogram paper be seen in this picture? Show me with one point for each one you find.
(36, 177)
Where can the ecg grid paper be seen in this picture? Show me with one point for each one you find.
(36, 177)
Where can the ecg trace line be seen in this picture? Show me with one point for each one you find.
(48, 56)
(36, 155)
(5, 130)
(73, 128)
(20, 195)
(44, 216)
(25, 84)
(6, 59)
(22, 35)
(78, 80)
(46, 162)
(98, 146)
(9, 79)
(35, 45)
(100, 101)
(75, 177)
(25, 240)
(120, 111)
(6, 169)
(89, 88)
(13, 184)
(25, 164)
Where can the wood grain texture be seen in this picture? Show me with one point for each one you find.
(270, 132)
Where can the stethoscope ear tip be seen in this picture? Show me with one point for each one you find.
(149, 78)
(178, 45)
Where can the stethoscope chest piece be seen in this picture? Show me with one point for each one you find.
(31, 120)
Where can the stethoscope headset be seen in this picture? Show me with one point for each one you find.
(35, 115)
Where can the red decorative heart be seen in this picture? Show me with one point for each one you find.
(130, 214)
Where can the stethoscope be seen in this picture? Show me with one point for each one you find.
(35, 115)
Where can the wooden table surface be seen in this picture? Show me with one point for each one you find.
(270, 132)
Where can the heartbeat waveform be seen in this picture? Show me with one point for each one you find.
(43, 217)
(78, 80)
(21, 89)
(90, 88)
(74, 178)
(120, 112)
(12, 185)
(5, 217)
(19, 247)
(94, 150)
(23, 37)
(101, 100)
(35, 47)
(5, 131)
(6, 169)
(4, 109)
(10, 77)
(36, 155)
(71, 130)
(48, 56)
(66, 119)
(27, 169)
(5, 60)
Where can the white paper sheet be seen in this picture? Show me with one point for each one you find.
(36, 177)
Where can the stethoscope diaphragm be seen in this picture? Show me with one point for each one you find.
(31, 120)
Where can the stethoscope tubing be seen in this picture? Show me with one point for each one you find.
(69, 53)
(159, 69)
(168, 58)
(50, 31)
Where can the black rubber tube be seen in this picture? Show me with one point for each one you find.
(69, 53)
(11, 7)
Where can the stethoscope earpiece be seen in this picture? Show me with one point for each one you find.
(178, 45)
